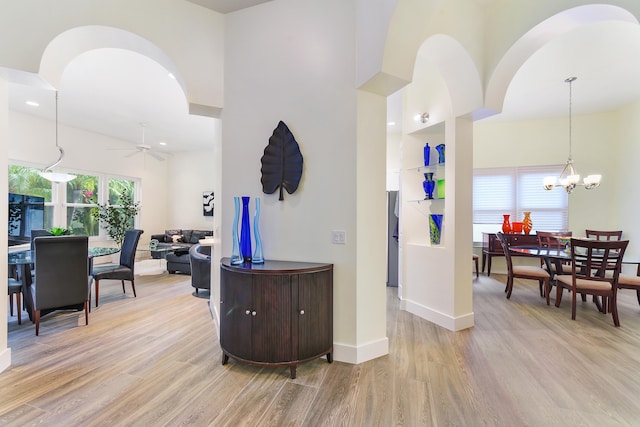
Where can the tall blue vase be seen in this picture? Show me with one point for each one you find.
(258, 258)
(245, 231)
(236, 257)
(426, 154)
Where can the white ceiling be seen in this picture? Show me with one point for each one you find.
(113, 91)
(228, 6)
(604, 57)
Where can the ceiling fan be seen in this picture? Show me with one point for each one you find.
(144, 148)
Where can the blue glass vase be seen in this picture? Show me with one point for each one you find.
(245, 231)
(258, 258)
(236, 257)
(427, 154)
(428, 185)
(440, 149)
(435, 228)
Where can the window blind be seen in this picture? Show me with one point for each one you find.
(499, 191)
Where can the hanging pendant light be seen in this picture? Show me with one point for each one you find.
(569, 178)
(47, 172)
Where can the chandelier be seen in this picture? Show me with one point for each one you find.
(47, 172)
(569, 178)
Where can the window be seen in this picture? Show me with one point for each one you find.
(513, 191)
(70, 205)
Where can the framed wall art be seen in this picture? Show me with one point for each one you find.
(207, 203)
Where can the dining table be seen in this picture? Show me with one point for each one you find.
(23, 260)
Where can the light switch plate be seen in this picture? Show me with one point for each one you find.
(339, 237)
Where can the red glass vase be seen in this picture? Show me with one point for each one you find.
(527, 224)
(506, 225)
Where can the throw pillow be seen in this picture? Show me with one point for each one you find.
(186, 236)
(176, 238)
(168, 235)
(196, 236)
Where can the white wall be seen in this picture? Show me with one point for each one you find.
(191, 174)
(5, 352)
(295, 61)
(604, 143)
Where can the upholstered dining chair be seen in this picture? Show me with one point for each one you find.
(62, 276)
(122, 271)
(629, 281)
(603, 235)
(595, 270)
(15, 288)
(551, 239)
(523, 271)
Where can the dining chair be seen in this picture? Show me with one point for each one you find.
(551, 239)
(474, 258)
(603, 235)
(15, 288)
(62, 278)
(595, 270)
(629, 281)
(122, 271)
(523, 271)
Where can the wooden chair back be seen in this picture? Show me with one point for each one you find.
(604, 235)
(599, 260)
(549, 239)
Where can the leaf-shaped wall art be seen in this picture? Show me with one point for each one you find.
(281, 162)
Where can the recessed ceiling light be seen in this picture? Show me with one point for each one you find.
(171, 76)
(32, 103)
(162, 143)
(391, 124)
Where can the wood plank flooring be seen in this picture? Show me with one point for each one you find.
(154, 360)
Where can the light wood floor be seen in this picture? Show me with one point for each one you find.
(155, 361)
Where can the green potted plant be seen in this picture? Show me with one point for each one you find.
(116, 220)
(59, 231)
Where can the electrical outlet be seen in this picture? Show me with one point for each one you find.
(339, 237)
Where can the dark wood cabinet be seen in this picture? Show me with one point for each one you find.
(491, 246)
(278, 313)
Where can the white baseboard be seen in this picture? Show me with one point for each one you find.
(452, 323)
(5, 359)
(355, 355)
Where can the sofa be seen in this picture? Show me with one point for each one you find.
(178, 260)
(200, 257)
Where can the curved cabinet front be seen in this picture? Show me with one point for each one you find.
(279, 313)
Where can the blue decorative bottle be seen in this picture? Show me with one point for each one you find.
(236, 257)
(258, 258)
(426, 154)
(245, 231)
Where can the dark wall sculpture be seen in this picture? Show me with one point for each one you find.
(281, 162)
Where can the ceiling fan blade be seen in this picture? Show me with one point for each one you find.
(155, 156)
(132, 154)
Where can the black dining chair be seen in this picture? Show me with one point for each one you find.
(62, 278)
(15, 288)
(125, 269)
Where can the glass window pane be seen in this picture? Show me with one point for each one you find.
(82, 189)
(26, 180)
(80, 221)
(119, 187)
